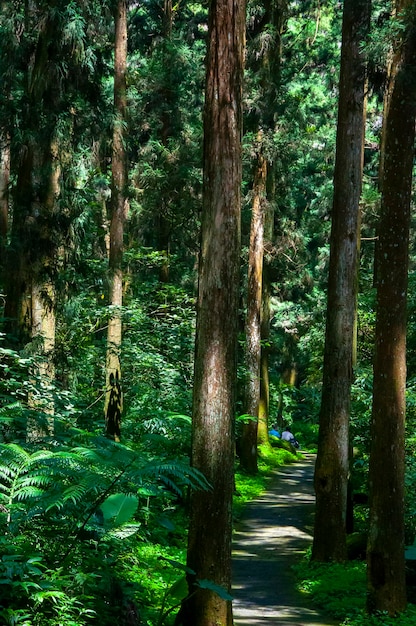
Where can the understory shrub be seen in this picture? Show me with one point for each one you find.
(340, 590)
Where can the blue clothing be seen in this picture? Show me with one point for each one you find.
(274, 433)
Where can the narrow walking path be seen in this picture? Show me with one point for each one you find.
(274, 530)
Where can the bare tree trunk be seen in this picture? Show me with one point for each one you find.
(385, 550)
(332, 463)
(114, 402)
(209, 542)
(31, 246)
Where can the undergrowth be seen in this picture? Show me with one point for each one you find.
(340, 590)
(250, 487)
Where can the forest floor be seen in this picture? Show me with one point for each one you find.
(273, 532)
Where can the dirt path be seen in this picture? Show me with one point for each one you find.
(274, 530)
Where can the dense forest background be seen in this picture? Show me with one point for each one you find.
(95, 453)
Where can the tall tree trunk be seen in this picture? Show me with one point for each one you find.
(164, 225)
(255, 431)
(29, 239)
(332, 463)
(113, 401)
(209, 542)
(385, 550)
(264, 399)
(43, 302)
(265, 316)
(17, 274)
(4, 192)
(248, 444)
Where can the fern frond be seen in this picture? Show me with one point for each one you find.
(28, 492)
(15, 450)
(182, 473)
(75, 493)
(39, 480)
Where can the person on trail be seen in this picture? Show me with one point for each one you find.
(274, 432)
(288, 436)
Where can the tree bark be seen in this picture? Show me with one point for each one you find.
(43, 303)
(264, 400)
(209, 543)
(31, 249)
(385, 550)
(266, 65)
(248, 444)
(332, 464)
(4, 192)
(113, 401)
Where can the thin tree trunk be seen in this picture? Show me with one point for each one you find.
(385, 550)
(275, 13)
(164, 226)
(114, 402)
(332, 464)
(264, 400)
(264, 403)
(209, 541)
(248, 443)
(4, 192)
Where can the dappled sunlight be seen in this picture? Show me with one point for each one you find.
(274, 532)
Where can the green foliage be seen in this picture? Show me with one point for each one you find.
(340, 590)
(119, 508)
(56, 504)
(157, 571)
(84, 520)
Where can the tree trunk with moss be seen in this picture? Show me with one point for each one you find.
(43, 305)
(385, 549)
(32, 255)
(248, 443)
(265, 63)
(118, 205)
(332, 463)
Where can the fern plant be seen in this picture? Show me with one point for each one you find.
(78, 480)
(56, 503)
(23, 477)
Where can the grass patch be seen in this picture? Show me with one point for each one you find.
(340, 590)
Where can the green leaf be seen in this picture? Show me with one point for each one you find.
(177, 564)
(119, 508)
(410, 553)
(209, 584)
(166, 523)
(179, 590)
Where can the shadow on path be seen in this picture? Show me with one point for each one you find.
(274, 530)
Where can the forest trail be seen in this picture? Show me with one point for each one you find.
(274, 530)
